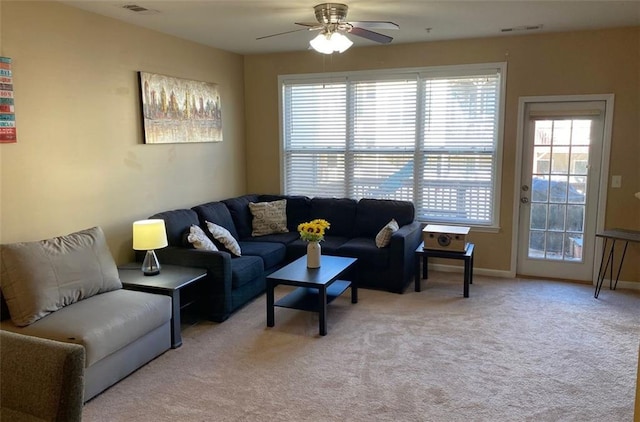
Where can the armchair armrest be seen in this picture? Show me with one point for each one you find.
(41, 378)
(637, 406)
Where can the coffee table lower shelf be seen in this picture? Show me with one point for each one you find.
(306, 298)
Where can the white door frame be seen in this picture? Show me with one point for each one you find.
(601, 195)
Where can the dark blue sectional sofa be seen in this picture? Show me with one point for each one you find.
(232, 281)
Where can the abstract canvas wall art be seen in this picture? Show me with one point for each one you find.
(176, 110)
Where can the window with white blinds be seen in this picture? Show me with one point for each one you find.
(428, 136)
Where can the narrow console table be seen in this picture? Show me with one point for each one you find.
(614, 235)
(171, 280)
(425, 254)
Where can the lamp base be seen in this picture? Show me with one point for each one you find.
(150, 265)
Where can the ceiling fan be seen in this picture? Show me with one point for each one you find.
(332, 25)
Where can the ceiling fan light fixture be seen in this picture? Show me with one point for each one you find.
(340, 42)
(321, 44)
(327, 43)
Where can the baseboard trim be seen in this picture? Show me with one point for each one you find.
(476, 271)
(630, 285)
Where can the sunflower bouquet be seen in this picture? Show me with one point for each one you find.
(313, 231)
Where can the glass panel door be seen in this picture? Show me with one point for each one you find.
(558, 192)
(558, 189)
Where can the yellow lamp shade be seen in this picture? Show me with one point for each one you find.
(149, 235)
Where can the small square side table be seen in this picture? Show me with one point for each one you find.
(169, 282)
(425, 254)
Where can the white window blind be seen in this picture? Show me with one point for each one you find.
(315, 139)
(420, 136)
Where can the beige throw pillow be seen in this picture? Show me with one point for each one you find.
(383, 238)
(199, 239)
(269, 217)
(39, 278)
(223, 236)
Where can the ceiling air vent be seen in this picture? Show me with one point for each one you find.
(134, 8)
(140, 9)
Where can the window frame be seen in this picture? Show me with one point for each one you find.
(413, 72)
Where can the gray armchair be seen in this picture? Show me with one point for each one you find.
(637, 410)
(40, 379)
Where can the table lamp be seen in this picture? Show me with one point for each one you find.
(147, 236)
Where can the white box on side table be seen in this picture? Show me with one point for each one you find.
(447, 238)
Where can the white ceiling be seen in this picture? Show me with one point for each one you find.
(234, 25)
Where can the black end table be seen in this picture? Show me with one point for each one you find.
(169, 282)
(317, 287)
(425, 254)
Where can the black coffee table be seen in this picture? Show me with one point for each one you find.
(316, 287)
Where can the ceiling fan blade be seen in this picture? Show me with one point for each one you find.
(282, 33)
(310, 24)
(375, 25)
(370, 35)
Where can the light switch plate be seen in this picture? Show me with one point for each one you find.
(616, 181)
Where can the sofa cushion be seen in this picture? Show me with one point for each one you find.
(176, 223)
(284, 238)
(273, 254)
(383, 238)
(240, 214)
(339, 212)
(329, 246)
(373, 214)
(104, 323)
(298, 208)
(245, 269)
(268, 217)
(42, 277)
(368, 254)
(223, 236)
(199, 239)
(217, 213)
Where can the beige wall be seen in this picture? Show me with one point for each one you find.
(80, 159)
(593, 62)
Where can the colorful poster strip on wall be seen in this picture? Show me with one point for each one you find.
(7, 112)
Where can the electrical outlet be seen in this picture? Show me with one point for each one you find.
(616, 181)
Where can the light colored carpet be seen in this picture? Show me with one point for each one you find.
(516, 350)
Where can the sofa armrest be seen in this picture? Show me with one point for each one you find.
(41, 378)
(403, 245)
(407, 237)
(214, 261)
(217, 285)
